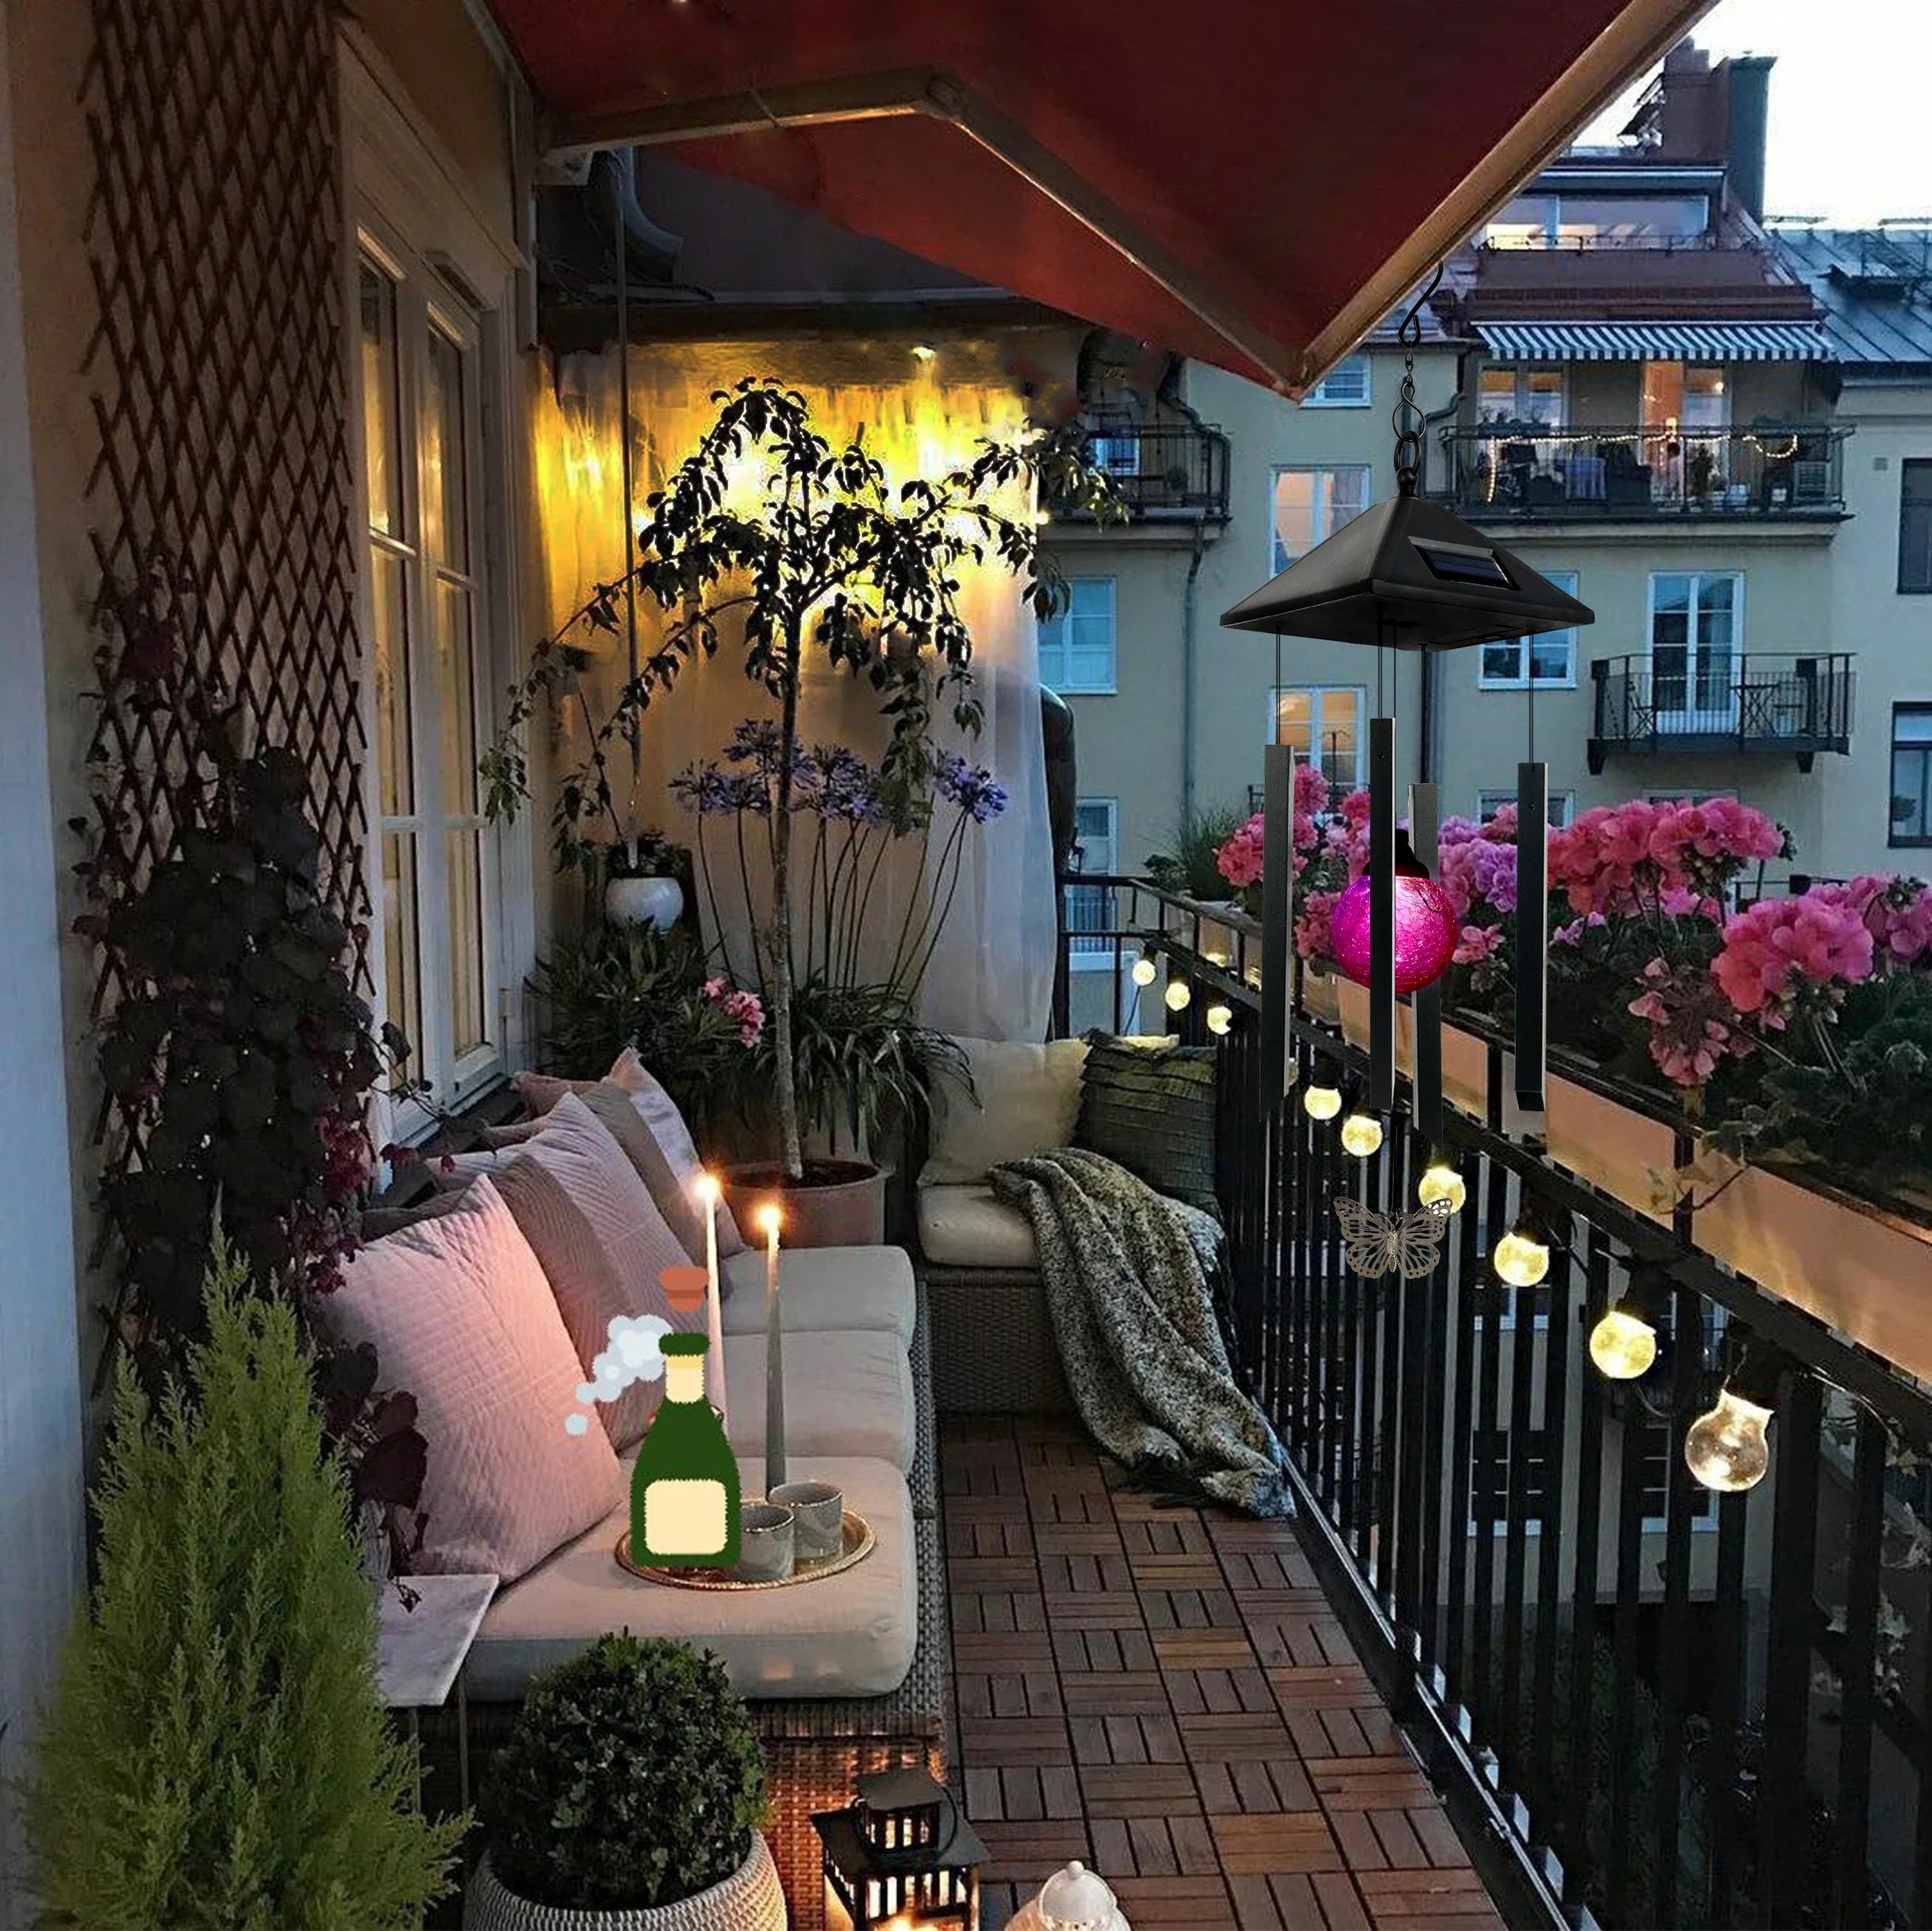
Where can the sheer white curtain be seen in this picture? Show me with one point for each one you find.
(992, 974)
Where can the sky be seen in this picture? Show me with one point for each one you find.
(1849, 140)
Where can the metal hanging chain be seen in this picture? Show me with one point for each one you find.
(1406, 418)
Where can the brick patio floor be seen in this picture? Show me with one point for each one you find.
(1165, 1693)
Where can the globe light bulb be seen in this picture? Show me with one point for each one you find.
(1179, 993)
(1441, 1181)
(1220, 1017)
(1144, 970)
(1361, 1134)
(1726, 1449)
(1623, 1344)
(1521, 1257)
(1426, 926)
(1321, 1099)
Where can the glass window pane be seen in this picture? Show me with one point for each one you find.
(381, 414)
(1294, 718)
(1502, 663)
(446, 534)
(1552, 656)
(456, 692)
(1912, 725)
(469, 1028)
(402, 971)
(1294, 515)
(1542, 396)
(394, 760)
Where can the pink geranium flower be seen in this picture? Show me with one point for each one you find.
(1693, 1029)
(1775, 953)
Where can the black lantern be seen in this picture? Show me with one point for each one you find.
(900, 1856)
(1407, 575)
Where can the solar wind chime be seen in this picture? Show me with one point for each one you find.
(1406, 575)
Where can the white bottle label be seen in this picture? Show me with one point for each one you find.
(685, 1518)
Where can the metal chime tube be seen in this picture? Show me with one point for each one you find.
(1424, 828)
(1532, 933)
(1382, 914)
(1277, 922)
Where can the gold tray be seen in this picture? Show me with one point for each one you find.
(859, 1541)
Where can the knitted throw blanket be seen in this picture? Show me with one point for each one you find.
(1128, 1277)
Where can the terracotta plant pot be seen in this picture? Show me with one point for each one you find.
(841, 1203)
(749, 1899)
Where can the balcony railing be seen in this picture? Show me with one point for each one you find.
(1647, 1703)
(1669, 701)
(1164, 471)
(1529, 471)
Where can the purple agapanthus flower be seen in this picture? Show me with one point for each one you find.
(848, 786)
(969, 787)
(712, 792)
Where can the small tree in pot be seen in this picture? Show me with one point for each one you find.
(632, 1787)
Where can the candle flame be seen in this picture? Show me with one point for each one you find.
(770, 1219)
(708, 1191)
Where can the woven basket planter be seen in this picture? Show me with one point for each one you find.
(749, 1899)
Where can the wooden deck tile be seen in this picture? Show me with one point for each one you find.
(1164, 1692)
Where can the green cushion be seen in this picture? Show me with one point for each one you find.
(1152, 1109)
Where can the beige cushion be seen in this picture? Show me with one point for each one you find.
(845, 1394)
(680, 1211)
(460, 1314)
(850, 1635)
(966, 1227)
(861, 1288)
(1028, 1100)
(602, 1241)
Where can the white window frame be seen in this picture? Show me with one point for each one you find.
(1564, 580)
(1318, 398)
(411, 214)
(1060, 647)
(1562, 805)
(1096, 955)
(1700, 721)
(1281, 559)
(1318, 692)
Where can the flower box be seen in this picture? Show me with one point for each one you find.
(1465, 1058)
(1621, 1151)
(1864, 1271)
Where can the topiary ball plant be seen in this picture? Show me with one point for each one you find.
(632, 1778)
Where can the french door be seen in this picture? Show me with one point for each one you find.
(1696, 626)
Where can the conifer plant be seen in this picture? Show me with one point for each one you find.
(217, 1756)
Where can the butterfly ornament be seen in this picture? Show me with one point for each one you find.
(1379, 1244)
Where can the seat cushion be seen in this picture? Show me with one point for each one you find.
(868, 1288)
(846, 1394)
(850, 1635)
(1025, 1097)
(966, 1227)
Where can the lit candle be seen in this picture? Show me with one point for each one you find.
(709, 1192)
(769, 1219)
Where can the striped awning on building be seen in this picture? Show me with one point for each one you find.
(1638, 341)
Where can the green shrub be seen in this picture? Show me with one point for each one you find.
(1188, 866)
(632, 1777)
(216, 1758)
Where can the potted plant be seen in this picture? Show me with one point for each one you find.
(626, 1798)
(641, 885)
(216, 1753)
(832, 557)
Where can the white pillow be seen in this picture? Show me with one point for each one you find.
(1028, 1100)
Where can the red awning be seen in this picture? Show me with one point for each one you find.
(1254, 182)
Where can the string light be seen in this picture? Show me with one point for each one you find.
(1441, 1181)
(1144, 967)
(1321, 1099)
(1179, 995)
(1361, 1133)
(1726, 1448)
(1521, 1257)
(1220, 1017)
(1624, 1344)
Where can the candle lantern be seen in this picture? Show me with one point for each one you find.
(1073, 1899)
(900, 1856)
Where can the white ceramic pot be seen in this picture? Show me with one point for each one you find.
(658, 902)
(749, 1899)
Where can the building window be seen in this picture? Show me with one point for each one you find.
(1911, 773)
(1324, 724)
(1678, 395)
(437, 857)
(1076, 646)
(1696, 626)
(1090, 907)
(1683, 796)
(1562, 805)
(1550, 659)
(1521, 392)
(1491, 1453)
(1310, 505)
(1345, 387)
(1915, 524)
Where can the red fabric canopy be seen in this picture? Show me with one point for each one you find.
(1253, 182)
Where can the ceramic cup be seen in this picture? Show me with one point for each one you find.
(818, 1516)
(764, 1542)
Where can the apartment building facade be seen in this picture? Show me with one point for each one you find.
(1718, 434)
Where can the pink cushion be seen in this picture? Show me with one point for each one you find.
(460, 1314)
(601, 1240)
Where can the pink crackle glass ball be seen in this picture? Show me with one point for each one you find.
(1426, 929)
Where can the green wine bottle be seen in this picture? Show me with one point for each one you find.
(685, 1486)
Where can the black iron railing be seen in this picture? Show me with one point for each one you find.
(1671, 700)
(1649, 1704)
(1161, 471)
(1528, 471)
